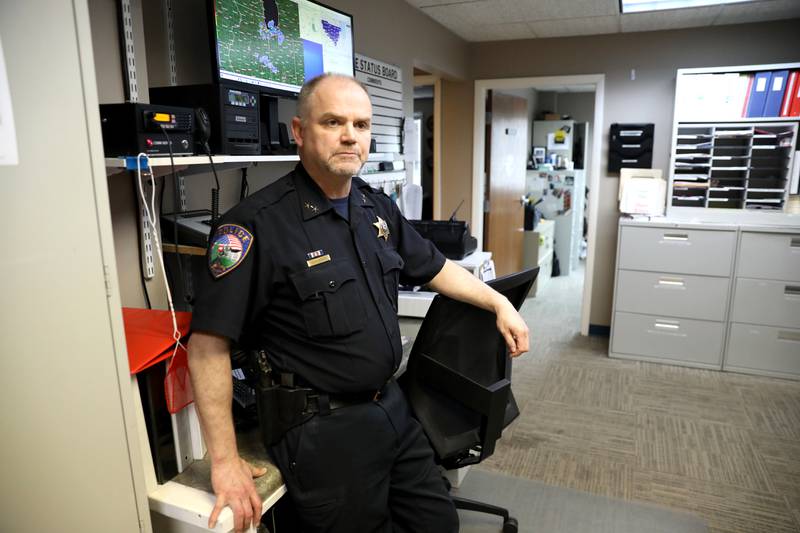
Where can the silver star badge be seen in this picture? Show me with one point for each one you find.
(383, 228)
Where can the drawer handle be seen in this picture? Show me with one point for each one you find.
(676, 236)
(667, 326)
(792, 290)
(631, 145)
(791, 336)
(672, 282)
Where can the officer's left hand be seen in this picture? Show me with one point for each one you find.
(513, 328)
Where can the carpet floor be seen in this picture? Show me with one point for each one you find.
(724, 447)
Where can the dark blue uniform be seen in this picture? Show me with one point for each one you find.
(318, 292)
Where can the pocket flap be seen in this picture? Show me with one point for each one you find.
(324, 278)
(390, 260)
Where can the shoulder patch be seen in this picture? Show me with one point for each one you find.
(228, 248)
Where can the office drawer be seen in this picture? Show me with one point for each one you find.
(617, 161)
(629, 133)
(767, 302)
(769, 256)
(764, 348)
(681, 340)
(676, 295)
(677, 250)
(632, 148)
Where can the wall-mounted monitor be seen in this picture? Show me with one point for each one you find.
(278, 44)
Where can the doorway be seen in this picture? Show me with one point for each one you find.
(555, 86)
(427, 114)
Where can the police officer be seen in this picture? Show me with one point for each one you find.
(308, 269)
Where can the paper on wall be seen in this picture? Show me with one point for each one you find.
(8, 135)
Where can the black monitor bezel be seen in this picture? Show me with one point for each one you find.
(215, 68)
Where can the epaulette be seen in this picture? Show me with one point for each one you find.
(273, 192)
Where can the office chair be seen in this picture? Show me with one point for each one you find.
(458, 382)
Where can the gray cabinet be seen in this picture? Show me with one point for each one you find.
(764, 336)
(715, 296)
(671, 292)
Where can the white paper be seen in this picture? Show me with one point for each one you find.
(644, 196)
(8, 135)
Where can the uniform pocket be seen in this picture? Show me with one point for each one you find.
(330, 300)
(391, 264)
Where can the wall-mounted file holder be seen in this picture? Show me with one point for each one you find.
(630, 146)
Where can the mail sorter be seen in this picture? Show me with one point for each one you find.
(630, 146)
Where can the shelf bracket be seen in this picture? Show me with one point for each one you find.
(148, 263)
(128, 50)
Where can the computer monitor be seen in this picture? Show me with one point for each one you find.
(277, 45)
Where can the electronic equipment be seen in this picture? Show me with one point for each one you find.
(451, 237)
(193, 227)
(293, 42)
(133, 128)
(274, 134)
(233, 114)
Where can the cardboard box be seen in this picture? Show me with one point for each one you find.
(552, 116)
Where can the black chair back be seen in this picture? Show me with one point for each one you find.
(458, 379)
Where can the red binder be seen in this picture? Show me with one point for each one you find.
(794, 111)
(148, 335)
(789, 94)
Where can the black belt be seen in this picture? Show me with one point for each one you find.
(323, 403)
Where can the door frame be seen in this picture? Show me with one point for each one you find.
(478, 174)
(436, 82)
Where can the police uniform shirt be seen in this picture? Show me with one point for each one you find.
(318, 292)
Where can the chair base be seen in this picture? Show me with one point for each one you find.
(510, 525)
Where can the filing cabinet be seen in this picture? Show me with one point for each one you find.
(764, 336)
(671, 293)
(718, 296)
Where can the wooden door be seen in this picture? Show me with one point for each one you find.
(506, 142)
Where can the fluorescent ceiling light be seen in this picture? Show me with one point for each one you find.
(639, 6)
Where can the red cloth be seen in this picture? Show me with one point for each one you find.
(148, 335)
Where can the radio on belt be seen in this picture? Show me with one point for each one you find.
(133, 128)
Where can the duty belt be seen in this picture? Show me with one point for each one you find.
(322, 402)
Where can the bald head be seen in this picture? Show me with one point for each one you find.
(310, 87)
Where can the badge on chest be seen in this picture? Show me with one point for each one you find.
(383, 228)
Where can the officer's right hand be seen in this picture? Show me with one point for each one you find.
(232, 481)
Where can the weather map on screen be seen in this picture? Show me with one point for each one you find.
(279, 44)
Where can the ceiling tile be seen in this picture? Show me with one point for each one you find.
(498, 32)
(478, 13)
(428, 3)
(758, 11)
(576, 26)
(670, 19)
(539, 10)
